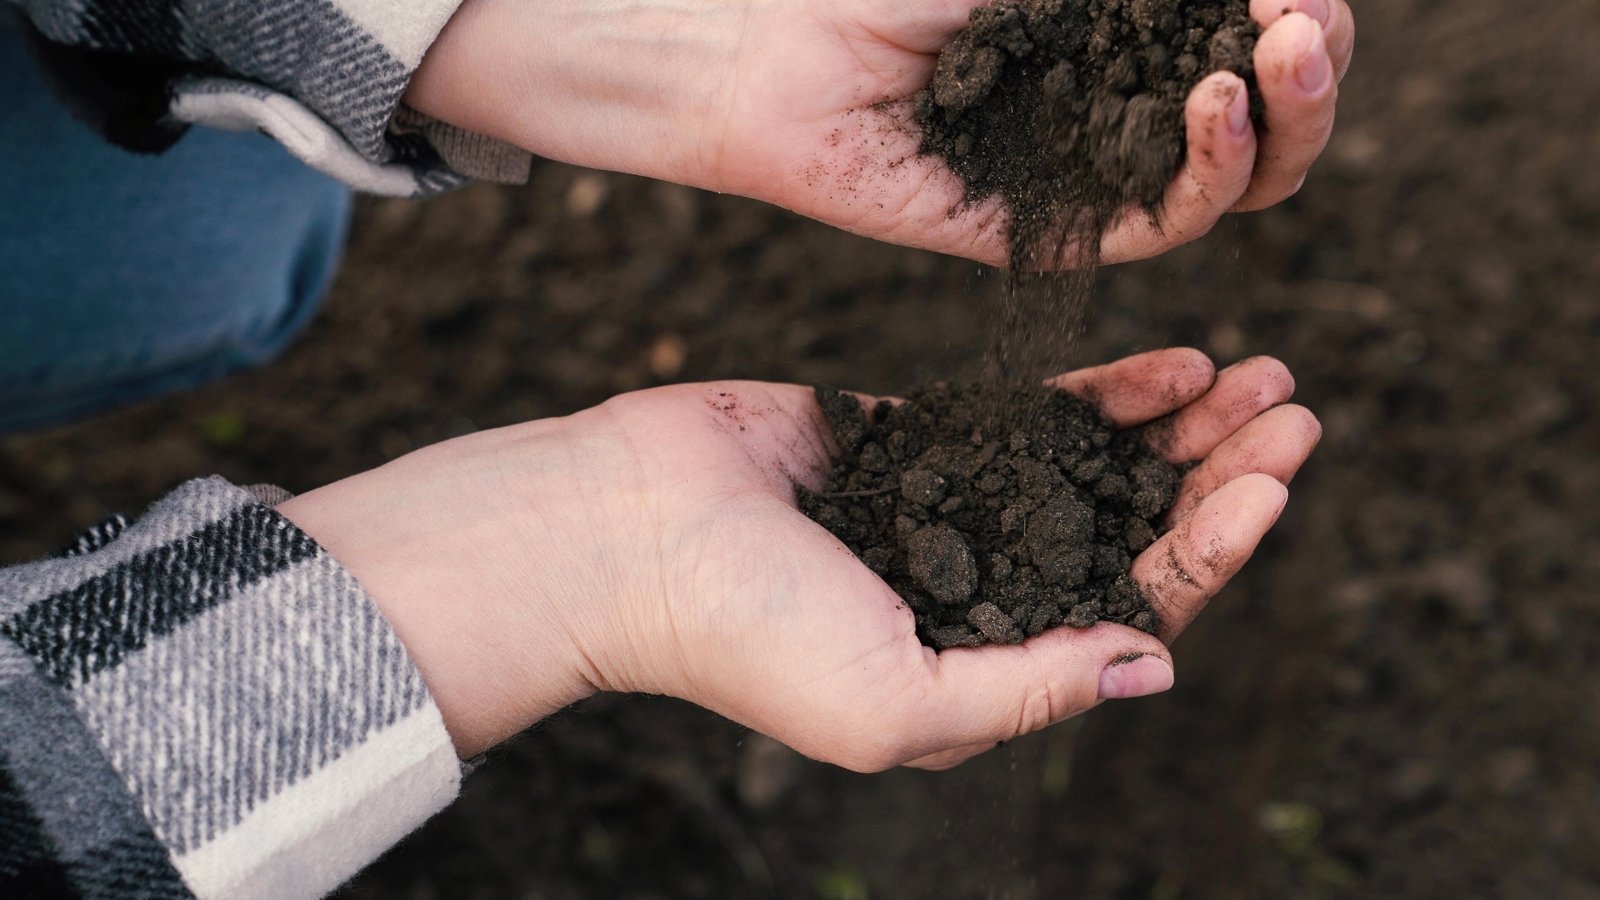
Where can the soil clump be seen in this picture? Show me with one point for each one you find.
(995, 529)
(1072, 110)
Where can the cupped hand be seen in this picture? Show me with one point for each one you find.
(653, 544)
(805, 104)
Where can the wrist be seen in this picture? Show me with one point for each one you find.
(452, 545)
(628, 87)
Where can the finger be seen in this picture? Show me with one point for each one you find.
(1243, 391)
(995, 693)
(1295, 76)
(1137, 389)
(1215, 175)
(1275, 443)
(1341, 37)
(1335, 16)
(1183, 570)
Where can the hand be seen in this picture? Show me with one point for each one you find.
(653, 544)
(777, 100)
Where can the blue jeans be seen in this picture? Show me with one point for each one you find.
(125, 276)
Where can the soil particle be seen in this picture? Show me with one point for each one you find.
(954, 636)
(993, 624)
(838, 407)
(1072, 110)
(922, 487)
(1059, 540)
(992, 541)
(941, 564)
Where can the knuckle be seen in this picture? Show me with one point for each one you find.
(1038, 710)
(1054, 696)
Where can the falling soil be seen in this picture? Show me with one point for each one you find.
(1001, 510)
(1072, 110)
(1072, 113)
(993, 531)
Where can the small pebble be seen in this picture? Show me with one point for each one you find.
(922, 487)
(1112, 487)
(1084, 614)
(1090, 470)
(1138, 535)
(875, 459)
(941, 564)
(879, 560)
(999, 567)
(1045, 616)
(995, 625)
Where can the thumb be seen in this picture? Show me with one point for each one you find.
(990, 694)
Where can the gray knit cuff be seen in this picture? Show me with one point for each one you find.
(258, 709)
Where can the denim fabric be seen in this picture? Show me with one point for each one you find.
(125, 276)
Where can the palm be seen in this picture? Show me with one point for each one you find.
(813, 125)
(814, 144)
(778, 626)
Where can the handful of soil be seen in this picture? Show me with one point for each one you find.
(995, 521)
(1073, 109)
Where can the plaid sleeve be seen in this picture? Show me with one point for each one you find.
(202, 702)
(323, 77)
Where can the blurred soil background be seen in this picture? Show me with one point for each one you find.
(1400, 697)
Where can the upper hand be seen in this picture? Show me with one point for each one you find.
(785, 101)
(653, 544)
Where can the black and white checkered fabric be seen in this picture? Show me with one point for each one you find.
(323, 77)
(205, 703)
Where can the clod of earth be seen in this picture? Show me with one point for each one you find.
(995, 513)
(1072, 110)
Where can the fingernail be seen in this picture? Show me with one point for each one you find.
(1316, 9)
(1314, 70)
(1239, 113)
(1140, 676)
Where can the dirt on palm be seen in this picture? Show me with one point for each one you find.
(995, 529)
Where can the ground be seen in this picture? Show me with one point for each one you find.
(1400, 697)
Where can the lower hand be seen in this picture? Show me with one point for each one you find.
(779, 100)
(653, 544)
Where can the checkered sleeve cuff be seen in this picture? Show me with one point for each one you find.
(324, 78)
(204, 702)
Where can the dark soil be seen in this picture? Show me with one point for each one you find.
(993, 530)
(1396, 698)
(1072, 110)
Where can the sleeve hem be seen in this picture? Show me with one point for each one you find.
(298, 741)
